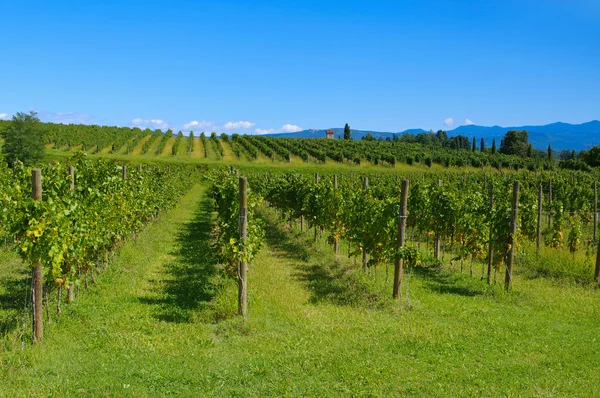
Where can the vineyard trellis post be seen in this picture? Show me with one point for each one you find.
(597, 270)
(316, 233)
(399, 262)
(71, 288)
(38, 276)
(539, 221)
(124, 172)
(336, 239)
(243, 229)
(72, 176)
(549, 202)
(365, 259)
(513, 237)
(595, 208)
(484, 181)
(490, 245)
(437, 243)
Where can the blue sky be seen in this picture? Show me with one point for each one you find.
(271, 66)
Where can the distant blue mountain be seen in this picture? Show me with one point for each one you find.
(558, 135)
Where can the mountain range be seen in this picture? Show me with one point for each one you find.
(559, 135)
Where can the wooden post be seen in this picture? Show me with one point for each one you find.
(71, 288)
(484, 182)
(242, 267)
(365, 257)
(437, 243)
(549, 202)
(597, 270)
(513, 238)
(38, 276)
(336, 241)
(595, 208)
(490, 245)
(399, 262)
(539, 221)
(124, 172)
(72, 174)
(316, 182)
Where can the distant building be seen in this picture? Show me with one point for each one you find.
(329, 133)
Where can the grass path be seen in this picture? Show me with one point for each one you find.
(158, 322)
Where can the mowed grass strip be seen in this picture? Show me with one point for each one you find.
(159, 322)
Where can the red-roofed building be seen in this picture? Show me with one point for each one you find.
(329, 133)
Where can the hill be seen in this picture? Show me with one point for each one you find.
(559, 135)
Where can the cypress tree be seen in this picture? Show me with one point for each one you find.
(347, 132)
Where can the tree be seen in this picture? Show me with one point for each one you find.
(23, 139)
(515, 143)
(530, 151)
(347, 132)
(442, 137)
(549, 152)
(368, 137)
(474, 146)
(591, 157)
(493, 146)
(482, 145)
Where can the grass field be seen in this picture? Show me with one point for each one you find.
(159, 321)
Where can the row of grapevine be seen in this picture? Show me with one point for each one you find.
(163, 142)
(176, 144)
(244, 144)
(148, 143)
(84, 213)
(217, 146)
(239, 235)
(204, 146)
(470, 213)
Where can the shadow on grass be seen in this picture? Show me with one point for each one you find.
(15, 290)
(451, 283)
(327, 279)
(187, 284)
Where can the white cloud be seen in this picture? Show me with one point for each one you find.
(468, 122)
(448, 122)
(66, 117)
(199, 125)
(290, 128)
(239, 125)
(152, 123)
(3, 115)
(264, 131)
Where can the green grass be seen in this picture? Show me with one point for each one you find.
(159, 321)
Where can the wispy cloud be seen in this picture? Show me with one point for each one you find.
(66, 117)
(4, 116)
(264, 131)
(448, 122)
(151, 123)
(290, 128)
(194, 124)
(468, 122)
(238, 125)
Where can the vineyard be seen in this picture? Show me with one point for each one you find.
(474, 218)
(134, 143)
(403, 265)
(70, 229)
